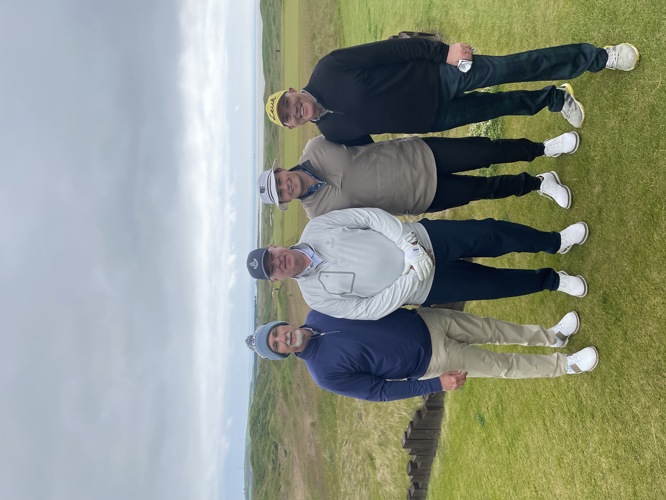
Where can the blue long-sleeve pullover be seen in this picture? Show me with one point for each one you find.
(366, 359)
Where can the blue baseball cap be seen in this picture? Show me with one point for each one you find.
(256, 264)
(258, 341)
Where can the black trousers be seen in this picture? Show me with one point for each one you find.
(457, 280)
(460, 105)
(471, 153)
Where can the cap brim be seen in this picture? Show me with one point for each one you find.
(263, 264)
(273, 185)
(272, 104)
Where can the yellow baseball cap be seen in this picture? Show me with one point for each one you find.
(271, 107)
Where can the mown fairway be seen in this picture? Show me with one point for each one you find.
(599, 435)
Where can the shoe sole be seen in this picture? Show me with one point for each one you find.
(596, 352)
(638, 57)
(577, 324)
(557, 178)
(569, 90)
(584, 291)
(577, 142)
(587, 232)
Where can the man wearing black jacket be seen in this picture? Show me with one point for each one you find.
(414, 85)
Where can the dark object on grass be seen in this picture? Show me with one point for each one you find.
(417, 34)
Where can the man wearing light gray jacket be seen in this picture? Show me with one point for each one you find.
(365, 263)
(411, 175)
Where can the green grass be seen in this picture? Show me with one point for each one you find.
(599, 435)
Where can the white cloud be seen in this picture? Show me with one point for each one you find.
(125, 219)
(222, 208)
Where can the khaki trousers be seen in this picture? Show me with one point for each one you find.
(452, 332)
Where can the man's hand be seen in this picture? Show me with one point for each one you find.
(416, 256)
(419, 260)
(459, 51)
(453, 380)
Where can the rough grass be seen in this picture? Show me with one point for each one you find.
(599, 435)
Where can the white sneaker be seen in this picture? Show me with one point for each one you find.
(572, 285)
(575, 234)
(567, 326)
(584, 360)
(572, 110)
(566, 143)
(552, 188)
(623, 57)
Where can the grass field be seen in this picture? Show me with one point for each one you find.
(600, 435)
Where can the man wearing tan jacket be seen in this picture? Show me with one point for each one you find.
(411, 175)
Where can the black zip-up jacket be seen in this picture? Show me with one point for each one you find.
(382, 87)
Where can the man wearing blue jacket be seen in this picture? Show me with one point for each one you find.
(415, 352)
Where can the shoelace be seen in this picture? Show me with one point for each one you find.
(612, 58)
(566, 241)
(565, 283)
(571, 361)
(554, 144)
(548, 191)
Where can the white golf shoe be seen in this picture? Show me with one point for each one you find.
(567, 326)
(575, 234)
(623, 57)
(566, 143)
(572, 285)
(552, 188)
(584, 360)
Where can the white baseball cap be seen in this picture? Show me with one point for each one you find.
(267, 188)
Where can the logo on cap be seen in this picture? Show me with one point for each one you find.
(254, 264)
(262, 189)
(271, 105)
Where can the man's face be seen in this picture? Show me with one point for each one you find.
(288, 184)
(286, 339)
(282, 263)
(296, 108)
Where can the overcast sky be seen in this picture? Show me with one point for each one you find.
(126, 216)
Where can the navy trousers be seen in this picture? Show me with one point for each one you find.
(458, 280)
(460, 106)
(471, 153)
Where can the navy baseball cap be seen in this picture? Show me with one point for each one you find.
(258, 341)
(256, 265)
